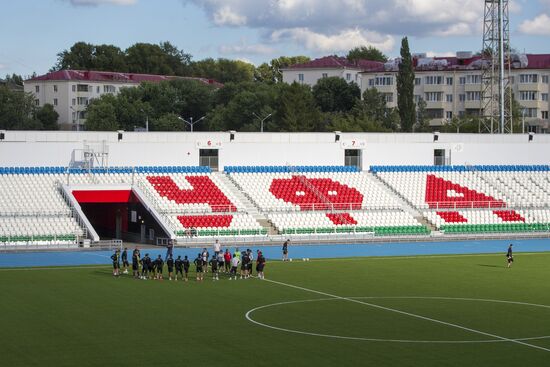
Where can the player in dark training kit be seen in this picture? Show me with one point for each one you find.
(214, 268)
(179, 267)
(145, 266)
(170, 265)
(125, 263)
(159, 265)
(510, 256)
(186, 266)
(116, 263)
(135, 263)
(260, 264)
(198, 267)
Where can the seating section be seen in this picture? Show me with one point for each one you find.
(39, 230)
(474, 199)
(216, 225)
(379, 222)
(324, 199)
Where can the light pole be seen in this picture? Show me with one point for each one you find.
(262, 120)
(76, 114)
(146, 119)
(191, 123)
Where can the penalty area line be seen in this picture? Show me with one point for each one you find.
(372, 305)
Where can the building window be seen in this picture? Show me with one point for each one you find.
(434, 113)
(348, 76)
(528, 78)
(55, 101)
(82, 101)
(473, 79)
(383, 80)
(55, 88)
(388, 97)
(544, 115)
(461, 113)
(433, 96)
(434, 79)
(74, 101)
(325, 75)
(528, 95)
(37, 102)
(473, 96)
(417, 81)
(449, 115)
(462, 80)
(74, 88)
(461, 97)
(530, 112)
(449, 81)
(112, 88)
(81, 115)
(545, 79)
(97, 89)
(545, 97)
(74, 117)
(37, 88)
(82, 88)
(449, 97)
(416, 98)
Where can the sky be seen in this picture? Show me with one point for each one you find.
(32, 32)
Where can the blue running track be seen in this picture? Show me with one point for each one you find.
(74, 258)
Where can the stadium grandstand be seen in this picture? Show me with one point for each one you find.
(77, 189)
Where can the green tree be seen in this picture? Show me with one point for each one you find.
(17, 110)
(422, 124)
(271, 73)
(47, 117)
(223, 70)
(374, 107)
(335, 94)
(366, 53)
(14, 79)
(78, 57)
(296, 109)
(167, 122)
(101, 114)
(405, 88)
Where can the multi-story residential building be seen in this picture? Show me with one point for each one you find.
(450, 86)
(70, 91)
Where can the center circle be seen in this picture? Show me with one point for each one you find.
(495, 339)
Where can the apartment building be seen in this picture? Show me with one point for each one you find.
(70, 91)
(450, 86)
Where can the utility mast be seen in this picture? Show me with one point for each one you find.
(496, 92)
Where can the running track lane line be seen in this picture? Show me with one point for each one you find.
(410, 314)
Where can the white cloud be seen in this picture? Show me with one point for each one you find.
(538, 26)
(343, 41)
(247, 49)
(330, 26)
(101, 2)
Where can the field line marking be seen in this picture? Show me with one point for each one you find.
(409, 314)
(60, 267)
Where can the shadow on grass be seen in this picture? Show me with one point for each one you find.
(491, 266)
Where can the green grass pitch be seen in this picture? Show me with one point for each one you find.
(423, 311)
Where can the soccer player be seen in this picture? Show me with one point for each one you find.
(169, 250)
(237, 253)
(227, 260)
(179, 267)
(244, 265)
(285, 250)
(214, 268)
(116, 264)
(186, 265)
(510, 256)
(198, 266)
(205, 256)
(125, 263)
(135, 263)
(260, 263)
(234, 264)
(170, 265)
(145, 262)
(250, 262)
(159, 264)
(220, 260)
(217, 248)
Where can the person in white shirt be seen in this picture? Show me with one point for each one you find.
(217, 248)
(234, 265)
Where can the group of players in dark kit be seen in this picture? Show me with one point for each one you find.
(221, 262)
